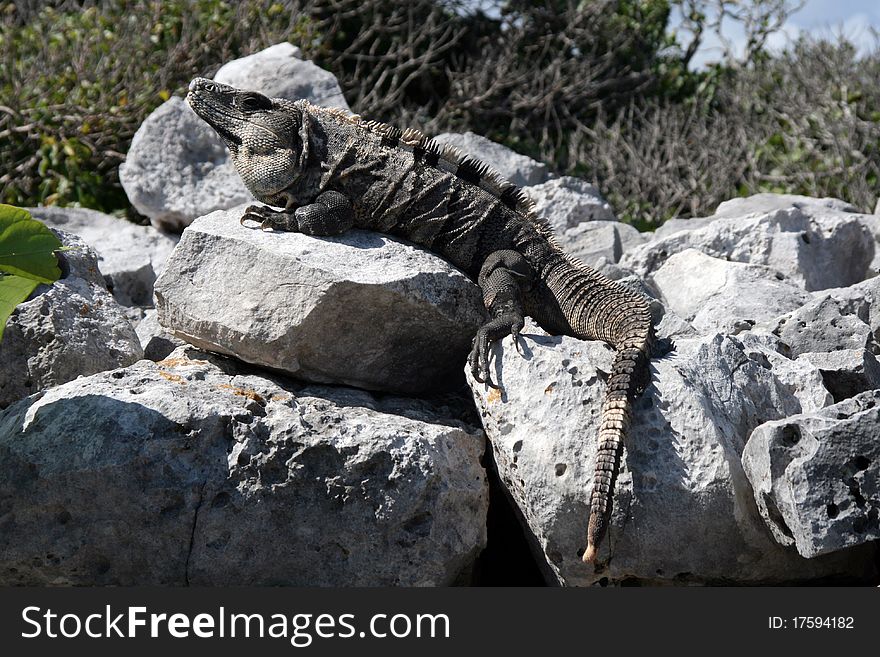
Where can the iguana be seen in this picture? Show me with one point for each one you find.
(331, 171)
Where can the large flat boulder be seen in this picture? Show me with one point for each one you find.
(185, 472)
(71, 328)
(714, 294)
(684, 510)
(361, 309)
(178, 168)
(816, 476)
(814, 246)
(129, 256)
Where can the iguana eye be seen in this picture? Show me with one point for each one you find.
(254, 102)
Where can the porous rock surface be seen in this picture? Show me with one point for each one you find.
(129, 256)
(361, 309)
(70, 328)
(684, 510)
(815, 247)
(178, 168)
(186, 472)
(719, 295)
(816, 476)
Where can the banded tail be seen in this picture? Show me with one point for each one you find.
(597, 308)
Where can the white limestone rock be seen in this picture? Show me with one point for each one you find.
(183, 473)
(361, 309)
(519, 169)
(280, 72)
(684, 510)
(178, 168)
(801, 378)
(761, 203)
(70, 328)
(593, 240)
(863, 301)
(845, 372)
(156, 342)
(812, 245)
(676, 225)
(129, 256)
(816, 476)
(825, 323)
(718, 295)
(566, 202)
(767, 202)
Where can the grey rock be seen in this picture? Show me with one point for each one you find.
(129, 256)
(178, 168)
(684, 510)
(671, 326)
(824, 324)
(361, 309)
(567, 202)
(135, 314)
(846, 372)
(813, 246)
(70, 328)
(612, 270)
(630, 237)
(592, 240)
(768, 202)
(718, 295)
(280, 72)
(816, 476)
(801, 378)
(179, 473)
(157, 343)
(762, 203)
(519, 169)
(676, 225)
(862, 300)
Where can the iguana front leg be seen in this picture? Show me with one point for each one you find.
(502, 277)
(330, 214)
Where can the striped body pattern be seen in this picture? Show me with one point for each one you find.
(331, 170)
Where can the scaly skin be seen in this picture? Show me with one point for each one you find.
(330, 171)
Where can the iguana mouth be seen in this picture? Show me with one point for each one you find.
(197, 102)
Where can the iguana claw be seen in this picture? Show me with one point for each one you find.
(268, 219)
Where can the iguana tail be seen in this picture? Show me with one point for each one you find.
(596, 307)
(624, 384)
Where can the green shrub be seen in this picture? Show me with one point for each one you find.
(598, 89)
(76, 81)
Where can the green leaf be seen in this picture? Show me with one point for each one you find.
(27, 247)
(13, 290)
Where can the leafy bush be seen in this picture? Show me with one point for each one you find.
(78, 78)
(27, 258)
(596, 88)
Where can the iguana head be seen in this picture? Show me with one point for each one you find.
(267, 137)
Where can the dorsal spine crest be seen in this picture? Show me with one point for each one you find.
(448, 158)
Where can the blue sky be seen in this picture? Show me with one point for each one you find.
(854, 18)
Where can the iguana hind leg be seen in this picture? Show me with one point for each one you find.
(330, 214)
(503, 275)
